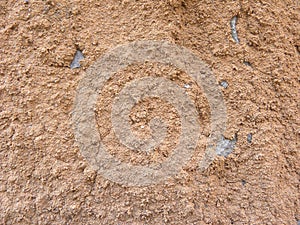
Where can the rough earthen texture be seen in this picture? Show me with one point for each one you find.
(45, 180)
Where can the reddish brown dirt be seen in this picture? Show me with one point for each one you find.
(45, 180)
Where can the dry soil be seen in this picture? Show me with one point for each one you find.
(44, 179)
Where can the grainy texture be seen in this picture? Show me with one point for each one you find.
(45, 180)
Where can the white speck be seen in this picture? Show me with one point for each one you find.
(142, 126)
(187, 86)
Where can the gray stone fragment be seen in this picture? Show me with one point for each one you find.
(233, 29)
(249, 138)
(225, 146)
(247, 63)
(76, 61)
(224, 84)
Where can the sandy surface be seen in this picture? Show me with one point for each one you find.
(44, 179)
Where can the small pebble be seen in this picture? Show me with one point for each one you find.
(249, 138)
(225, 146)
(247, 63)
(187, 86)
(224, 84)
(234, 34)
(243, 182)
(76, 61)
